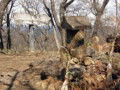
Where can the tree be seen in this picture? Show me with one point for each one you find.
(62, 8)
(52, 22)
(31, 8)
(8, 26)
(3, 4)
(99, 10)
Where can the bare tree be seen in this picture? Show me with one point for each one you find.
(99, 10)
(3, 4)
(52, 21)
(8, 25)
(63, 6)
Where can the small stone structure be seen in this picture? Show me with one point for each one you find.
(73, 24)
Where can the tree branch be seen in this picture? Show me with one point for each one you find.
(55, 14)
(49, 12)
(104, 5)
(69, 3)
(63, 7)
(95, 5)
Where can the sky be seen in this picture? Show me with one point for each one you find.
(110, 6)
(110, 9)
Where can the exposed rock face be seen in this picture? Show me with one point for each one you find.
(47, 67)
(44, 74)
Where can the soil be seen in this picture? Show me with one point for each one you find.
(12, 63)
(17, 62)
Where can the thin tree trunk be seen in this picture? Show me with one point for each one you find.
(8, 33)
(53, 25)
(97, 25)
(56, 39)
(63, 37)
(1, 41)
(117, 18)
(8, 28)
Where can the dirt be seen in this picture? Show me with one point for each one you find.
(17, 62)
(11, 64)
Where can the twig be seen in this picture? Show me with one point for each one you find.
(66, 82)
(109, 67)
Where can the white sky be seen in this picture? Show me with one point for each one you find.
(110, 8)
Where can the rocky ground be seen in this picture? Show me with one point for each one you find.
(44, 71)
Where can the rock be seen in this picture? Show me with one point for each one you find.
(75, 60)
(88, 61)
(101, 66)
(88, 78)
(44, 85)
(118, 65)
(91, 68)
(52, 68)
(76, 73)
(48, 84)
(77, 66)
(78, 52)
(98, 63)
(117, 86)
(51, 87)
(89, 51)
(47, 67)
(99, 77)
(58, 85)
(72, 62)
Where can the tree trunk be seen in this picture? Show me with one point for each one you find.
(63, 6)
(3, 5)
(63, 37)
(99, 13)
(1, 41)
(117, 18)
(56, 39)
(8, 33)
(8, 27)
(97, 25)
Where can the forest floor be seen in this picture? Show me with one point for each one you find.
(11, 66)
(16, 62)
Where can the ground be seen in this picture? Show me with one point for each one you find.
(12, 66)
(15, 62)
